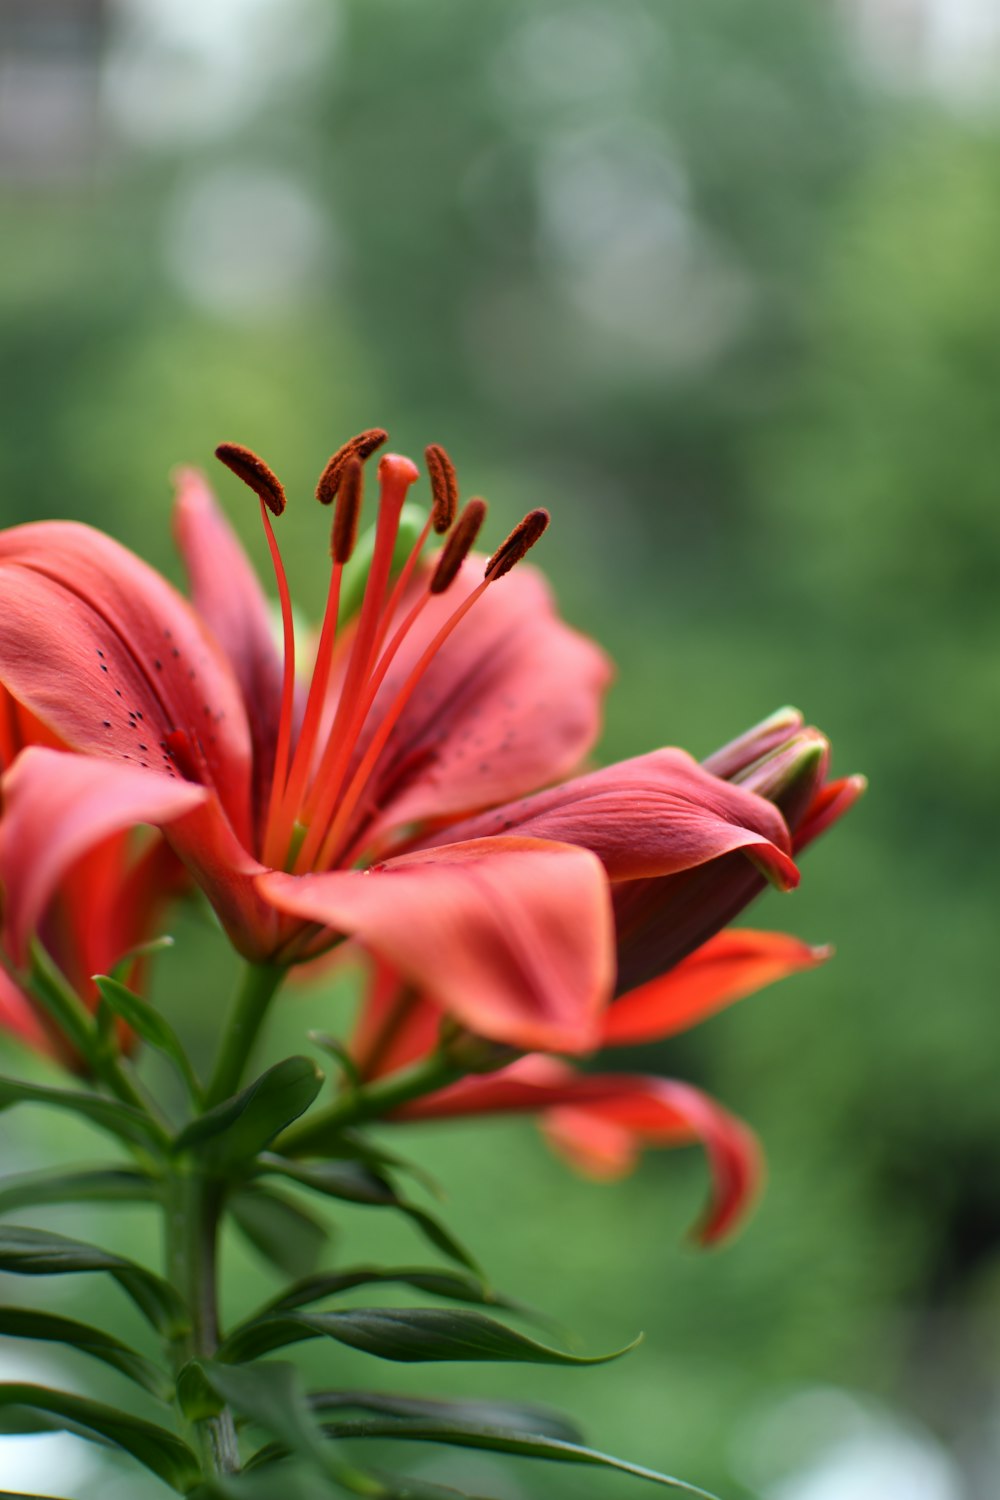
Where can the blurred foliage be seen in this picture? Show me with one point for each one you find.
(692, 277)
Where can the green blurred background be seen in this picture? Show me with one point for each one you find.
(717, 283)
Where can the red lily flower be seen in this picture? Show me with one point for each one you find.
(442, 697)
(98, 903)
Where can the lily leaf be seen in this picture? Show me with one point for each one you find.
(63, 1004)
(38, 1252)
(458, 1286)
(102, 1185)
(148, 1023)
(271, 1396)
(161, 1451)
(408, 1335)
(235, 1130)
(516, 1416)
(280, 1231)
(120, 1119)
(496, 1440)
(25, 1323)
(352, 1182)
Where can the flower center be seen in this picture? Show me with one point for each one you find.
(317, 789)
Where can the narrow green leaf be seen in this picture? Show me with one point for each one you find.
(38, 1252)
(25, 1323)
(499, 1440)
(458, 1286)
(353, 1182)
(149, 1024)
(120, 1119)
(280, 1231)
(54, 993)
(101, 1185)
(516, 1416)
(235, 1130)
(158, 1450)
(407, 1335)
(195, 1397)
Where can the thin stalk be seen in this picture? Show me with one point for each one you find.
(256, 990)
(193, 1208)
(370, 1102)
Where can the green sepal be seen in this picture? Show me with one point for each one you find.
(407, 1335)
(495, 1440)
(38, 1252)
(284, 1234)
(101, 1185)
(458, 1286)
(148, 1024)
(26, 1323)
(122, 1120)
(235, 1130)
(412, 519)
(158, 1450)
(352, 1182)
(515, 1416)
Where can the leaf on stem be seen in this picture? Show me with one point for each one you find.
(26, 1323)
(458, 1286)
(235, 1130)
(495, 1440)
(407, 1335)
(352, 1182)
(148, 1024)
(101, 1185)
(515, 1416)
(38, 1252)
(122, 1120)
(161, 1451)
(280, 1231)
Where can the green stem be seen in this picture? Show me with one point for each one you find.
(194, 1205)
(372, 1101)
(257, 988)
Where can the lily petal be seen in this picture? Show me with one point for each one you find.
(652, 1111)
(112, 659)
(57, 807)
(651, 816)
(512, 700)
(228, 597)
(512, 937)
(728, 967)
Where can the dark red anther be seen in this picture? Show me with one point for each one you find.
(345, 520)
(521, 540)
(254, 472)
(444, 487)
(361, 446)
(457, 547)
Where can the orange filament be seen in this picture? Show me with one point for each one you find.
(396, 474)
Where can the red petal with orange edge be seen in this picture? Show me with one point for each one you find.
(57, 807)
(512, 937)
(112, 659)
(648, 817)
(728, 967)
